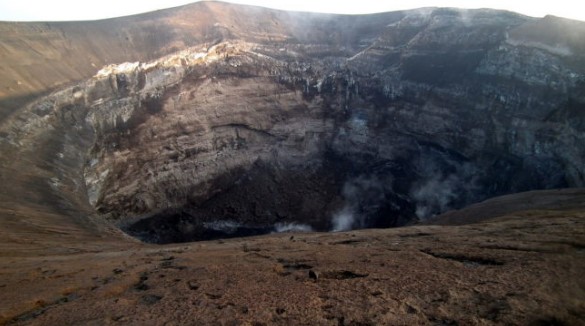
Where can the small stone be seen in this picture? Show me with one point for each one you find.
(193, 285)
(214, 296)
(141, 287)
(150, 299)
(313, 275)
(118, 271)
(410, 309)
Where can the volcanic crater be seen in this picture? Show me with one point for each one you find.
(215, 121)
(391, 120)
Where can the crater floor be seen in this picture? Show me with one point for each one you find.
(510, 268)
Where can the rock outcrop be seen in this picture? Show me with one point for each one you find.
(316, 121)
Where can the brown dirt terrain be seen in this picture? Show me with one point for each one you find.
(524, 268)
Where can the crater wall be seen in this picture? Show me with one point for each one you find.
(368, 121)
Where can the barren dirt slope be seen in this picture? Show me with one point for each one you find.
(524, 268)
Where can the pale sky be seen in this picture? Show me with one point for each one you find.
(45, 10)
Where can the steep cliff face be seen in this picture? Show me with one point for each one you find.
(311, 121)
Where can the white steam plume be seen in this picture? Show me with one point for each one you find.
(362, 194)
(292, 227)
(343, 220)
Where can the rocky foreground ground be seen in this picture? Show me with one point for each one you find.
(522, 268)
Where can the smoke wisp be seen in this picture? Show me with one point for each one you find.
(343, 220)
(442, 185)
(292, 227)
(362, 196)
